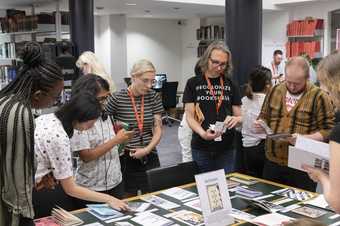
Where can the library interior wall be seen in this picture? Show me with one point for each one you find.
(319, 9)
(273, 34)
(158, 40)
(173, 48)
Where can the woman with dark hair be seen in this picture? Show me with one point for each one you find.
(37, 85)
(53, 151)
(98, 166)
(252, 145)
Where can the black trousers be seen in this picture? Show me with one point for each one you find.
(134, 172)
(288, 176)
(254, 158)
(46, 199)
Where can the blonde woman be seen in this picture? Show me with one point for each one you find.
(140, 107)
(89, 63)
(329, 77)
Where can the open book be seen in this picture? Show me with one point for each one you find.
(309, 152)
(263, 204)
(65, 218)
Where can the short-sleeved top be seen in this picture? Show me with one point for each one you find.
(335, 134)
(120, 107)
(251, 109)
(52, 148)
(101, 174)
(197, 91)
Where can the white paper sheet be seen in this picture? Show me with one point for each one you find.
(195, 204)
(271, 219)
(319, 201)
(297, 157)
(179, 193)
(312, 146)
(160, 202)
(147, 219)
(213, 192)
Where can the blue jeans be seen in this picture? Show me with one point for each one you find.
(209, 161)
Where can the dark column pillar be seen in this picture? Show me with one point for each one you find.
(82, 25)
(243, 26)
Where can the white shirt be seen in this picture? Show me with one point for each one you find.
(184, 138)
(52, 148)
(291, 100)
(103, 173)
(277, 70)
(250, 111)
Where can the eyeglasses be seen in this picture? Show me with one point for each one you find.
(217, 63)
(152, 82)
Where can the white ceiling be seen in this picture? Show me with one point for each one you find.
(175, 9)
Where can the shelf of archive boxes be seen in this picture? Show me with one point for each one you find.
(318, 35)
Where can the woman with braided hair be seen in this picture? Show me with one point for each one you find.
(37, 85)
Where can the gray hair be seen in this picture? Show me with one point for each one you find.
(216, 45)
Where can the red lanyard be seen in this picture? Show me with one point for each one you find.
(211, 89)
(140, 120)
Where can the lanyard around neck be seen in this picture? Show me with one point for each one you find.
(139, 119)
(211, 89)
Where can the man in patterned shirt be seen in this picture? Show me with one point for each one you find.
(296, 107)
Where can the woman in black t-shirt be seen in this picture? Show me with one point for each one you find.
(329, 77)
(213, 99)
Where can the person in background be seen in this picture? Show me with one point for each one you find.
(277, 67)
(37, 85)
(53, 153)
(259, 84)
(296, 107)
(185, 132)
(98, 165)
(329, 76)
(88, 63)
(184, 138)
(212, 97)
(141, 108)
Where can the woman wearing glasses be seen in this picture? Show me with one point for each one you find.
(211, 98)
(140, 107)
(98, 166)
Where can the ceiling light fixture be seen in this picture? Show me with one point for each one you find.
(130, 4)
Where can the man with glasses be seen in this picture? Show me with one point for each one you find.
(211, 98)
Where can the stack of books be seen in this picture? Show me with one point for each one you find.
(307, 27)
(65, 218)
(311, 48)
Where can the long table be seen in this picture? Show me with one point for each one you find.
(263, 185)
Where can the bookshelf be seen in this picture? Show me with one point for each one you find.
(206, 35)
(305, 37)
(17, 28)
